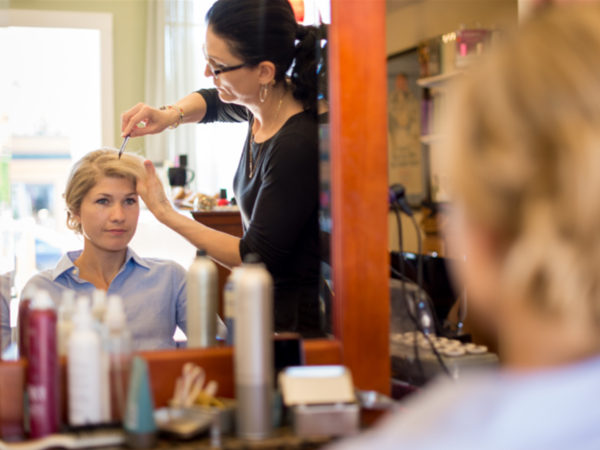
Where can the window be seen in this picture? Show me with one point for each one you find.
(58, 83)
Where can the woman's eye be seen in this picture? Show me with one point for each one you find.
(102, 201)
(131, 201)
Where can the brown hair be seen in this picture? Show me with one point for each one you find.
(89, 169)
(524, 157)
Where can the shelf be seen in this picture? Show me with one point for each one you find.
(429, 139)
(438, 80)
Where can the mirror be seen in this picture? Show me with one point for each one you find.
(38, 154)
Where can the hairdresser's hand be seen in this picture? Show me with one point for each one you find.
(152, 192)
(154, 120)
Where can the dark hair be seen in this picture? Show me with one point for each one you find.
(266, 30)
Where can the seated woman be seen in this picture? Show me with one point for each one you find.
(102, 205)
(524, 170)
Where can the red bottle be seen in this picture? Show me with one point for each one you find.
(43, 367)
(23, 320)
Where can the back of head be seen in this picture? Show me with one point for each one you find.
(525, 157)
(266, 30)
(92, 167)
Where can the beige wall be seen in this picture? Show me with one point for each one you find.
(129, 45)
(411, 21)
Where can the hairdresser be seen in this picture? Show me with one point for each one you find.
(250, 47)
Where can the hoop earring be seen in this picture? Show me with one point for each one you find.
(264, 91)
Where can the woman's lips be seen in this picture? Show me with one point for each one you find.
(117, 232)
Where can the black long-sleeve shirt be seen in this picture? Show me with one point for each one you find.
(279, 208)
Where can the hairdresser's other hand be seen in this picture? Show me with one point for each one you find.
(155, 120)
(152, 192)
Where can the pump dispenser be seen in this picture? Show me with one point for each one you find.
(98, 304)
(202, 302)
(84, 368)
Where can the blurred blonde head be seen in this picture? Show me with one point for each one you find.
(524, 159)
(86, 173)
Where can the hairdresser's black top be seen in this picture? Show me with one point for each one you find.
(279, 208)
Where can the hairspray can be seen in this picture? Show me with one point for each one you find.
(202, 302)
(229, 305)
(253, 351)
(42, 368)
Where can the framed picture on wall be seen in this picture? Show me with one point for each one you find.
(407, 163)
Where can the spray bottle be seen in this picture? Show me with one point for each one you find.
(84, 368)
(202, 302)
(43, 388)
(253, 351)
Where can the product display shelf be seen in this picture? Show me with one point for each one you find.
(438, 80)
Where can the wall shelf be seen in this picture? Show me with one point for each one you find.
(438, 80)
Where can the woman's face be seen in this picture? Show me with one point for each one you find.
(240, 86)
(109, 214)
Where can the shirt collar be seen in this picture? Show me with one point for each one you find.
(66, 262)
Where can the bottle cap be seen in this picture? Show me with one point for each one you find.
(28, 292)
(42, 300)
(98, 303)
(114, 317)
(67, 303)
(82, 317)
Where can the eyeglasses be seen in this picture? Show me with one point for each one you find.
(216, 71)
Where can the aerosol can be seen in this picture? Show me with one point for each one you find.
(202, 302)
(253, 351)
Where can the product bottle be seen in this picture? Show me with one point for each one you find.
(118, 348)
(23, 320)
(139, 424)
(98, 312)
(65, 320)
(253, 351)
(202, 302)
(42, 369)
(84, 368)
(229, 305)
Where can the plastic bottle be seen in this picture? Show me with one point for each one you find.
(98, 312)
(118, 349)
(23, 320)
(43, 384)
(253, 351)
(202, 302)
(65, 322)
(229, 305)
(84, 368)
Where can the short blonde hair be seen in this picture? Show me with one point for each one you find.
(524, 157)
(86, 173)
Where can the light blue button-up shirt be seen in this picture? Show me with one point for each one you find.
(153, 292)
(548, 409)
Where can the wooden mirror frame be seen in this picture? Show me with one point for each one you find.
(359, 189)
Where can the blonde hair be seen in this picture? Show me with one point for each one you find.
(86, 173)
(525, 157)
